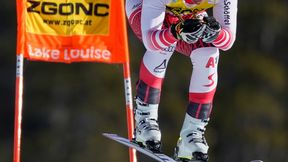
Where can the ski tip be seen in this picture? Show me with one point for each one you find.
(105, 134)
(109, 135)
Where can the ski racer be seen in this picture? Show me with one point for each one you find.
(165, 26)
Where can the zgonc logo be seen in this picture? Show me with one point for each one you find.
(66, 9)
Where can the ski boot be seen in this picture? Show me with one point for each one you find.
(147, 132)
(192, 146)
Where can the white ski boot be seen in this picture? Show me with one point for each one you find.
(147, 132)
(192, 145)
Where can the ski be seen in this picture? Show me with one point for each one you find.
(157, 156)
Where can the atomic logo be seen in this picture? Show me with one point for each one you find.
(162, 67)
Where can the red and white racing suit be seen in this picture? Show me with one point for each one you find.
(151, 19)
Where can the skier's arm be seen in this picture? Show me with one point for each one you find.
(225, 12)
(154, 37)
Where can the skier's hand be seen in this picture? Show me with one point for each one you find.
(189, 30)
(212, 29)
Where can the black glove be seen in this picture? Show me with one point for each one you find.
(189, 30)
(212, 29)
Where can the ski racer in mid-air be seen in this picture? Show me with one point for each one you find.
(185, 26)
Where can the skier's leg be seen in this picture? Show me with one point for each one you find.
(148, 89)
(192, 143)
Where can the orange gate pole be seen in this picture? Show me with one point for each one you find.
(18, 108)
